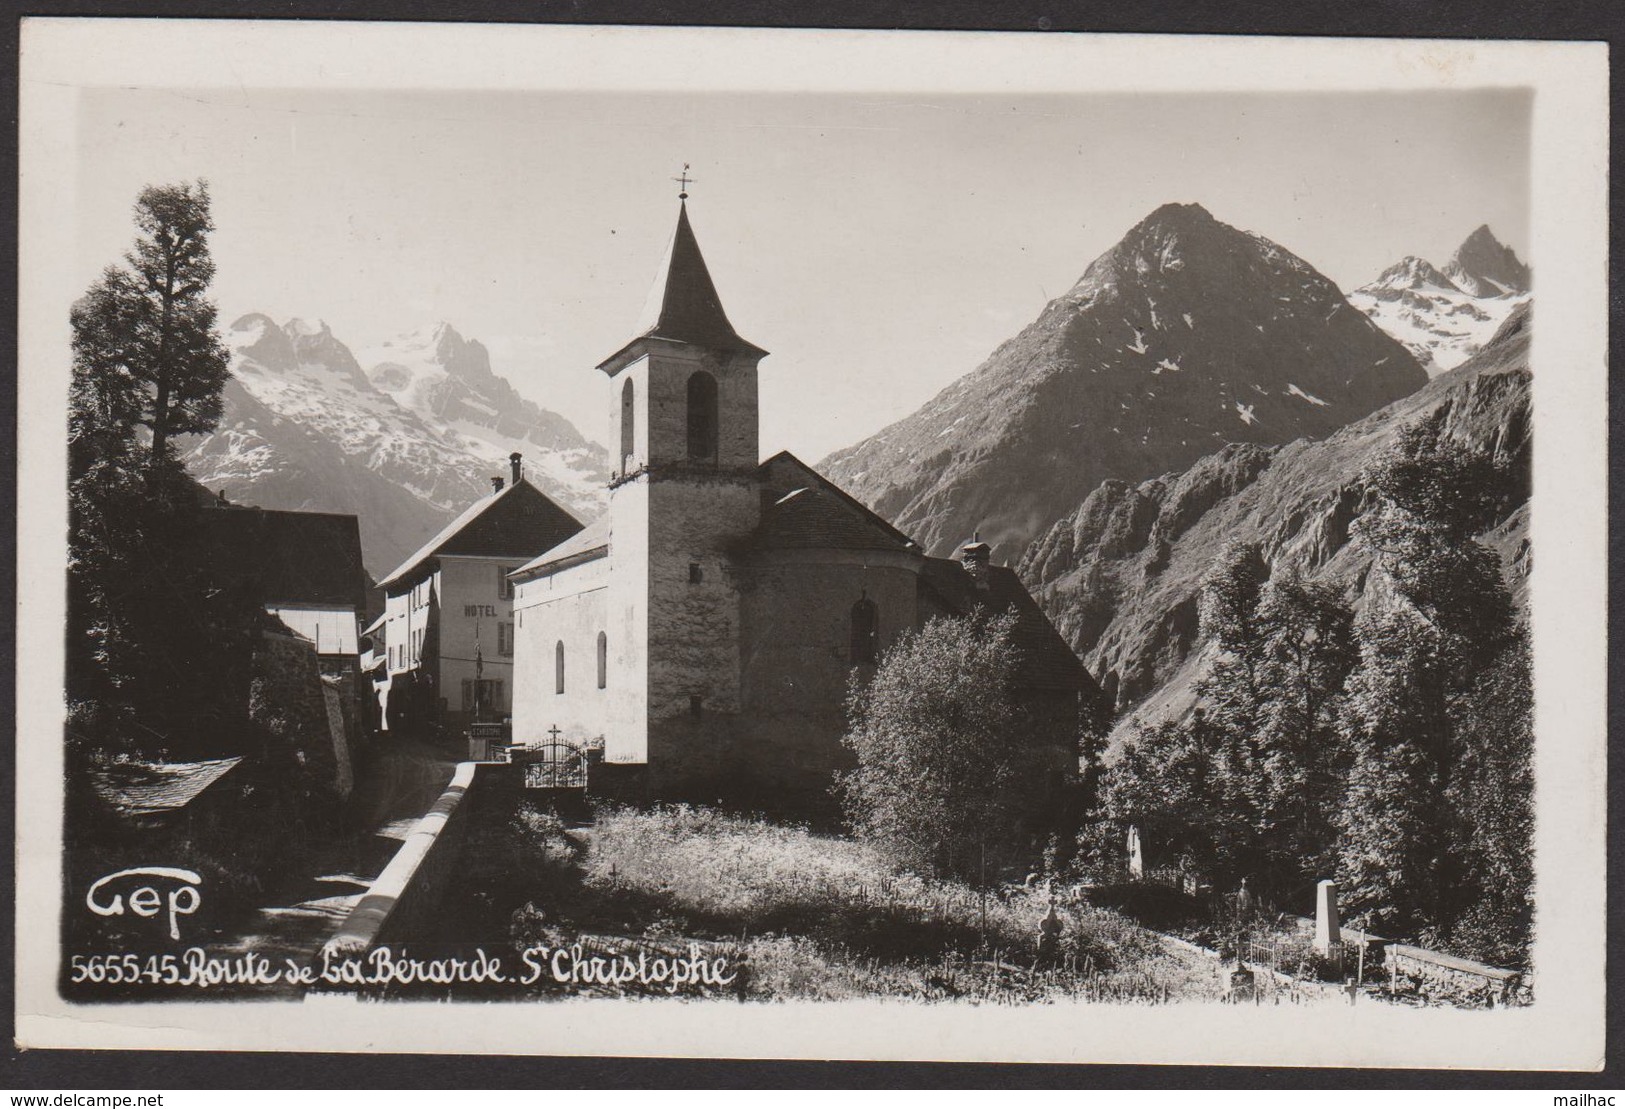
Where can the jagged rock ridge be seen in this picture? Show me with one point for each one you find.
(1187, 335)
(1443, 316)
(1121, 574)
(305, 426)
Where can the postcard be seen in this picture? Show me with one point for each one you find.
(801, 544)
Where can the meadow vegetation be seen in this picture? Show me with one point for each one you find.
(814, 916)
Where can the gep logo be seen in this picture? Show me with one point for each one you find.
(181, 898)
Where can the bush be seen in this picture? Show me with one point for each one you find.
(950, 773)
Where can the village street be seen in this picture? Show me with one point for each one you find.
(398, 786)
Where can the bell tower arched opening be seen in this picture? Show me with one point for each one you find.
(702, 417)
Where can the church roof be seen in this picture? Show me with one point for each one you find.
(529, 522)
(684, 306)
(591, 541)
(1047, 661)
(806, 509)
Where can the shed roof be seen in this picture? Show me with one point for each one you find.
(151, 788)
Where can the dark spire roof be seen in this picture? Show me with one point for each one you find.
(683, 306)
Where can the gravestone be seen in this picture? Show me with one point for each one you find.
(1136, 857)
(1328, 937)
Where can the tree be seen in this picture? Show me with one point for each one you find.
(950, 770)
(146, 351)
(1392, 857)
(1493, 790)
(1426, 724)
(144, 639)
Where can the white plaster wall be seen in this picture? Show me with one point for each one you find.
(464, 581)
(570, 606)
(627, 618)
(638, 374)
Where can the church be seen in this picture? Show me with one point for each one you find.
(704, 631)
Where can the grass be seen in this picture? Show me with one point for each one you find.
(822, 917)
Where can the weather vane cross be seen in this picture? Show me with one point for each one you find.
(684, 181)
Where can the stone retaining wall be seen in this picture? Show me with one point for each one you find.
(1448, 975)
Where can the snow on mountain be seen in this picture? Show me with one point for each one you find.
(1443, 316)
(405, 447)
(1121, 576)
(1187, 335)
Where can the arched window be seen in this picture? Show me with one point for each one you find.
(628, 418)
(865, 631)
(558, 667)
(603, 660)
(702, 417)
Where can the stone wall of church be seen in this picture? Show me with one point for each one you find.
(778, 746)
(665, 377)
(694, 609)
(570, 608)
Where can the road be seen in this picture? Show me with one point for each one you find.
(400, 784)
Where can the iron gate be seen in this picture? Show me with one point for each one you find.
(554, 765)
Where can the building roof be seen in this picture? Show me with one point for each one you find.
(808, 510)
(684, 306)
(515, 522)
(286, 557)
(590, 542)
(1048, 662)
(152, 788)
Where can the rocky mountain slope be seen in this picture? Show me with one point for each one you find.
(1121, 574)
(1187, 335)
(1442, 316)
(405, 445)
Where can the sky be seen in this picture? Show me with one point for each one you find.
(879, 246)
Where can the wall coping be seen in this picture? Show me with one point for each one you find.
(366, 920)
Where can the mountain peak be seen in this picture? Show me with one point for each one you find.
(298, 328)
(1177, 214)
(1485, 266)
(1186, 335)
(1411, 272)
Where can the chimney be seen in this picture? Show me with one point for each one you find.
(516, 464)
(496, 486)
(976, 556)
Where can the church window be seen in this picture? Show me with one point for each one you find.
(628, 415)
(702, 417)
(558, 667)
(603, 660)
(695, 573)
(865, 631)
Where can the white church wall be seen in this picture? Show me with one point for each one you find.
(571, 607)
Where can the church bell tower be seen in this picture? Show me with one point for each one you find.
(684, 493)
